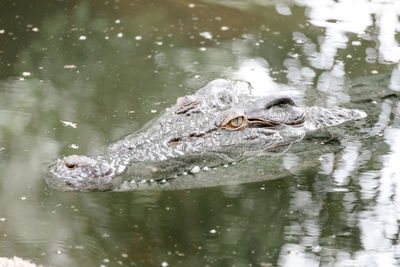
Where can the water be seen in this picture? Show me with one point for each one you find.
(76, 75)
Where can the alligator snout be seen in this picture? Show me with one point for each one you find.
(81, 173)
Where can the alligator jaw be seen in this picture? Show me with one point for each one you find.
(81, 173)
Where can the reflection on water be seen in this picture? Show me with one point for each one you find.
(78, 75)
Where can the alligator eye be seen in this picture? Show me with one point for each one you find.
(71, 165)
(236, 122)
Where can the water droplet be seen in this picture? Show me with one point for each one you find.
(105, 235)
(69, 66)
(206, 35)
(196, 169)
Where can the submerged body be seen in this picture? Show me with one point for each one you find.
(222, 122)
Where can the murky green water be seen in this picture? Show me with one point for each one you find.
(76, 75)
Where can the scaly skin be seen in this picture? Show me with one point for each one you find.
(222, 122)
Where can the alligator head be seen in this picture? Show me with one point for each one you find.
(223, 122)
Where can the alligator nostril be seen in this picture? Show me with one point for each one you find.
(71, 165)
(68, 183)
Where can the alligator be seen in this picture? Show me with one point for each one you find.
(223, 122)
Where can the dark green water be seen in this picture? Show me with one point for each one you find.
(76, 75)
